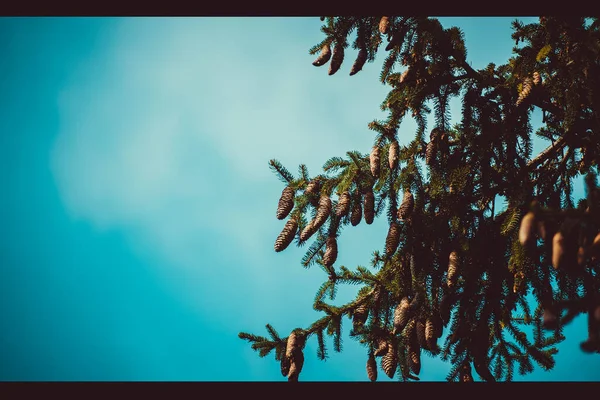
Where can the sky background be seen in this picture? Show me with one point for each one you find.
(138, 209)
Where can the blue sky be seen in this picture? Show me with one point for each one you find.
(138, 208)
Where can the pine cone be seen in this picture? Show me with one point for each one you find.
(313, 187)
(308, 231)
(323, 57)
(421, 334)
(407, 205)
(323, 211)
(331, 251)
(286, 202)
(287, 235)
(291, 345)
(389, 362)
(430, 151)
(527, 229)
(537, 78)
(374, 161)
(356, 214)
(393, 154)
(382, 348)
(403, 76)
(369, 206)
(336, 59)
(384, 25)
(452, 268)
(296, 364)
(360, 61)
(527, 85)
(558, 249)
(285, 365)
(343, 205)
(392, 240)
(372, 368)
(431, 334)
(401, 314)
(414, 358)
(360, 315)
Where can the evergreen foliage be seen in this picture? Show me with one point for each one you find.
(450, 261)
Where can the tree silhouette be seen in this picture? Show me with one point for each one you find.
(450, 260)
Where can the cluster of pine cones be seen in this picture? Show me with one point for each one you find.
(571, 246)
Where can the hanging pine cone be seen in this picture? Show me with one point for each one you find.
(465, 373)
(401, 314)
(452, 269)
(527, 229)
(384, 25)
(291, 344)
(336, 59)
(285, 365)
(323, 211)
(343, 205)
(313, 188)
(374, 161)
(430, 335)
(527, 85)
(360, 315)
(356, 214)
(382, 348)
(324, 56)
(287, 235)
(360, 61)
(403, 76)
(372, 368)
(389, 362)
(421, 334)
(407, 205)
(558, 249)
(369, 205)
(537, 78)
(414, 358)
(308, 231)
(296, 364)
(430, 151)
(393, 153)
(286, 202)
(392, 240)
(331, 251)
